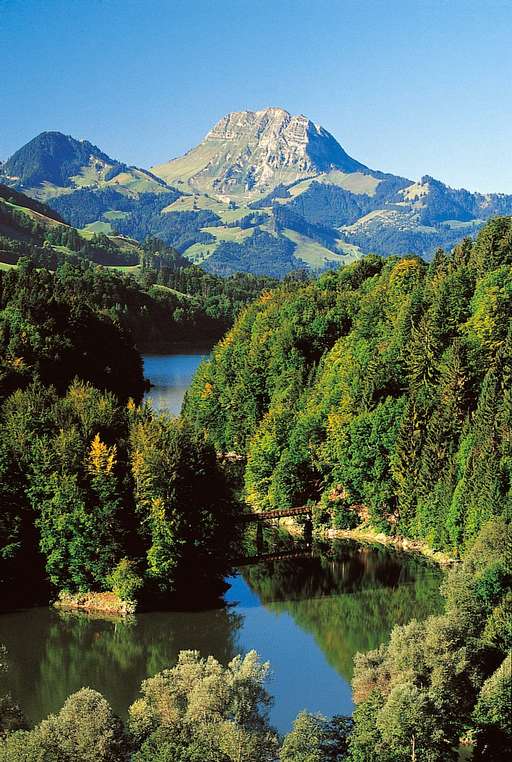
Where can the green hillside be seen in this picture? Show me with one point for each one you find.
(264, 193)
(379, 392)
(53, 164)
(28, 227)
(164, 301)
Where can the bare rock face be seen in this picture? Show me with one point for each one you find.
(251, 152)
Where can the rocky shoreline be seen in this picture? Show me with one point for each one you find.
(106, 603)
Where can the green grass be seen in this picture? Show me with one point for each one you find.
(222, 233)
(38, 216)
(98, 227)
(125, 244)
(233, 215)
(313, 253)
(114, 215)
(63, 249)
(350, 251)
(456, 224)
(198, 252)
(168, 289)
(135, 181)
(124, 268)
(197, 202)
(355, 182)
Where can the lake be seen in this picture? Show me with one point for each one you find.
(307, 615)
(170, 377)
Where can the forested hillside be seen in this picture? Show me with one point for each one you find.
(380, 392)
(98, 493)
(150, 288)
(79, 470)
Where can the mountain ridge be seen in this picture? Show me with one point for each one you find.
(264, 192)
(53, 163)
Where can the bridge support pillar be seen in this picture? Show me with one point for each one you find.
(308, 531)
(259, 537)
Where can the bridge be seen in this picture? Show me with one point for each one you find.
(303, 510)
(265, 517)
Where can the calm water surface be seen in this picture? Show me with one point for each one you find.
(170, 376)
(307, 616)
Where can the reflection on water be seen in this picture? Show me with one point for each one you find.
(348, 596)
(306, 616)
(170, 376)
(53, 653)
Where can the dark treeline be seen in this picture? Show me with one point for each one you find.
(221, 299)
(96, 492)
(55, 326)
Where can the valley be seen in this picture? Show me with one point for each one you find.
(256, 381)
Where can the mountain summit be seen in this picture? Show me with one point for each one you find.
(53, 163)
(265, 192)
(53, 158)
(251, 152)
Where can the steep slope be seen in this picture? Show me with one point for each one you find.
(380, 392)
(30, 228)
(25, 202)
(248, 153)
(52, 164)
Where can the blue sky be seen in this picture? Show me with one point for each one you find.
(411, 87)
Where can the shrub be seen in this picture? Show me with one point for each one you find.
(125, 581)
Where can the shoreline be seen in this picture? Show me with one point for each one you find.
(109, 604)
(368, 534)
(105, 603)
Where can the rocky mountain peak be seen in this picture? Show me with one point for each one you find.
(275, 122)
(251, 152)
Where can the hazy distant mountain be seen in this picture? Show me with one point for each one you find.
(264, 192)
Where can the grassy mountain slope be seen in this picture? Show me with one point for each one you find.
(53, 164)
(265, 191)
(28, 227)
(248, 153)
(165, 301)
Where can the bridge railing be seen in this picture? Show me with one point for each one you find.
(304, 510)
